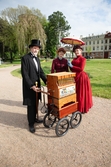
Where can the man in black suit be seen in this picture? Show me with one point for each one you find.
(31, 73)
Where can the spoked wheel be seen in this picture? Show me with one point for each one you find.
(62, 127)
(49, 120)
(75, 119)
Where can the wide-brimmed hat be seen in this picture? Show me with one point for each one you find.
(61, 50)
(77, 47)
(35, 42)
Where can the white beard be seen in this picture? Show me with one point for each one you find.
(35, 53)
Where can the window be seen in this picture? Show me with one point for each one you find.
(105, 47)
(97, 54)
(101, 41)
(93, 47)
(101, 47)
(109, 47)
(97, 42)
(101, 54)
(109, 40)
(97, 47)
(93, 42)
(106, 41)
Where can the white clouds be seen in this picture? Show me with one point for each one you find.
(94, 18)
(85, 17)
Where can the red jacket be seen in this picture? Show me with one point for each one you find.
(59, 65)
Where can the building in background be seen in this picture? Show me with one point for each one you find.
(97, 46)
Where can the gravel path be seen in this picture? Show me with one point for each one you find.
(89, 145)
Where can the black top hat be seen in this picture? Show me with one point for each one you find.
(35, 42)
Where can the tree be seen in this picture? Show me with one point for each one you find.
(25, 24)
(2, 35)
(56, 28)
(30, 27)
(88, 50)
(6, 37)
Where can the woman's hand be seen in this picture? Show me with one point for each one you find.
(69, 64)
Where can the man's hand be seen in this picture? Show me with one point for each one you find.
(36, 89)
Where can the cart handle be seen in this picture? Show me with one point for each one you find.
(44, 92)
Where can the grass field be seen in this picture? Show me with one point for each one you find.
(99, 71)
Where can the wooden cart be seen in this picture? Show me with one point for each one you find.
(62, 102)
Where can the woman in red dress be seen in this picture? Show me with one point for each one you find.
(83, 87)
(60, 64)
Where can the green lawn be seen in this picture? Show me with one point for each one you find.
(99, 71)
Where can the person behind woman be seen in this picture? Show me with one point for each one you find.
(59, 64)
(83, 87)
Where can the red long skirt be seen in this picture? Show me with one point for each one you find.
(84, 92)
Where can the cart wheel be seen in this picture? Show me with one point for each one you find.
(62, 127)
(75, 119)
(49, 120)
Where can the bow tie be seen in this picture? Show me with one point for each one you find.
(34, 56)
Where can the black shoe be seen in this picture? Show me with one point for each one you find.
(32, 129)
(38, 121)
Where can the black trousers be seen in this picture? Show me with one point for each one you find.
(31, 114)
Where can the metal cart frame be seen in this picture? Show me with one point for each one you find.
(64, 117)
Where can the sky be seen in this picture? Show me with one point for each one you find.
(85, 17)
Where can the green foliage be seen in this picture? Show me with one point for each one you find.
(18, 26)
(59, 23)
(88, 49)
(56, 27)
(30, 28)
(8, 40)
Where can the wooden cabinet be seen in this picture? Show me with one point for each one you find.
(62, 88)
